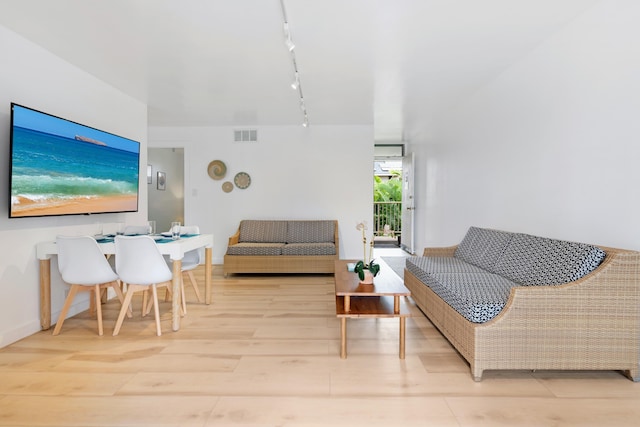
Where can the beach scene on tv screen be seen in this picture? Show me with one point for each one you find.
(60, 167)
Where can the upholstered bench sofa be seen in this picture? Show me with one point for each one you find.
(516, 301)
(283, 246)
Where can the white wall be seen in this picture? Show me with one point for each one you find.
(35, 78)
(548, 148)
(319, 172)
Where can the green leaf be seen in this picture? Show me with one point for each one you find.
(359, 268)
(374, 268)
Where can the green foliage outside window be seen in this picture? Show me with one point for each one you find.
(388, 191)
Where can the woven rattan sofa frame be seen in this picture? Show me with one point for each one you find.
(590, 324)
(280, 263)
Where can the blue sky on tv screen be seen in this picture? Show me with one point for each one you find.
(35, 120)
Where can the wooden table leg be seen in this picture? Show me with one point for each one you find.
(207, 275)
(343, 338)
(177, 295)
(45, 294)
(347, 303)
(402, 333)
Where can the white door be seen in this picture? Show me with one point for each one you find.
(408, 204)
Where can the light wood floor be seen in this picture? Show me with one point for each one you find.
(266, 353)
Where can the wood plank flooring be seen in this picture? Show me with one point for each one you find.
(266, 353)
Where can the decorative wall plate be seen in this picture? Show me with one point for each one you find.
(242, 180)
(227, 187)
(217, 169)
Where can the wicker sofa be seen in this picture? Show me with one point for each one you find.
(515, 301)
(283, 246)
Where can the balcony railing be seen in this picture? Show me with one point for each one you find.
(387, 214)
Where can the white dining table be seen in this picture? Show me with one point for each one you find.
(174, 248)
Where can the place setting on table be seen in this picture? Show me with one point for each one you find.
(176, 232)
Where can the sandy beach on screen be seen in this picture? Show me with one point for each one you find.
(118, 203)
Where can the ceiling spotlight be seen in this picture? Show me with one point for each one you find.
(287, 37)
(290, 44)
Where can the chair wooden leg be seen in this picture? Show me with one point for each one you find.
(131, 289)
(98, 302)
(124, 287)
(149, 304)
(146, 303)
(194, 283)
(92, 306)
(156, 310)
(120, 295)
(65, 308)
(168, 296)
(145, 308)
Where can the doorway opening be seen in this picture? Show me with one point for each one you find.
(387, 195)
(165, 186)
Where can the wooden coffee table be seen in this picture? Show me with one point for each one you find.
(382, 299)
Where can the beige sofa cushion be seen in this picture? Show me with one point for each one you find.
(319, 231)
(252, 248)
(309, 249)
(263, 231)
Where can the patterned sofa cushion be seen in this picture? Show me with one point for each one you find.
(425, 267)
(310, 231)
(421, 265)
(532, 260)
(483, 247)
(309, 249)
(479, 297)
(263, 231)
(249, 248)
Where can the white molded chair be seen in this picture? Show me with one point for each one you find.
(192, 259)
(141, 266)
(83, 266)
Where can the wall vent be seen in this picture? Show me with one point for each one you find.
(245, 135)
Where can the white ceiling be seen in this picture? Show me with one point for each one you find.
(393, 64)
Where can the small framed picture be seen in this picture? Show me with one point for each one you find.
(149, 174)
(162, 181)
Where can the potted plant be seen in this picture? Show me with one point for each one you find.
(366, 271)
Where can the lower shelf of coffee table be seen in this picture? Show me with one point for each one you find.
(371, 306)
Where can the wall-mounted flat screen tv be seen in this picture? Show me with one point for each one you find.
(59, 167)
